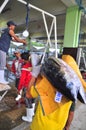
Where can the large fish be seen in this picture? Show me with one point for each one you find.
(64, 79)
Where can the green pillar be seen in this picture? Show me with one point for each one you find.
(72, 27)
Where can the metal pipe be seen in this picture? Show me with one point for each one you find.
(46, 27)
(3, 5)
(36, 8)
(55, 32)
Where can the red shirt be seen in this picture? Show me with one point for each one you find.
(25, 76)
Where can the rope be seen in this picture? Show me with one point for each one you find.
(27, 16)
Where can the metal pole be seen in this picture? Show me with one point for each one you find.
(48, 33)
(3, 5)
(55, 31)
(36, 8)
(84, 59)
(46, 27)
(79, 56)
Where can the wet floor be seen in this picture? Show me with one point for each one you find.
(79, 121)
(11, 114)
(10, 111)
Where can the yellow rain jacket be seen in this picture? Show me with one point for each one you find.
(49, 114)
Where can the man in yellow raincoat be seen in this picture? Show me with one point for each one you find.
(49, 115)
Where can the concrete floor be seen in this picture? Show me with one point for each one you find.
(22, 126)
(79, 121)
(11, 113)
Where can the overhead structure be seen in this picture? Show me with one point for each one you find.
(44, 14)
(48, 32)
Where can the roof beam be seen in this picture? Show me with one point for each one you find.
(69, 3)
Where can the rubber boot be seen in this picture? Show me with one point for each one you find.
(29, 115)
(19, 96)
(33, 105)
(2, 79)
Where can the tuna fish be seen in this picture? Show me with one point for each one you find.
(64, 79)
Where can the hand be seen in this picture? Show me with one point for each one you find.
(28, 95)
(24, 42)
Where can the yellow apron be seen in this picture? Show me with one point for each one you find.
(49, 114)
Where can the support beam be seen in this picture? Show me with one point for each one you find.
(48, 32)
(72, 27)
(36, 8)
(3, 5)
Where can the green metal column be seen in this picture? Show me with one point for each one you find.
(72, 27)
